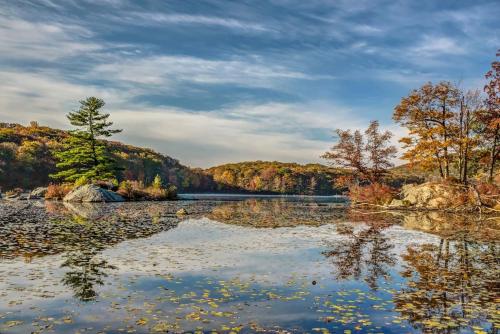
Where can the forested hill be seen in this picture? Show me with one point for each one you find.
(26, 160)
(276, 177)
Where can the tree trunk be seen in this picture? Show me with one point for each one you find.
(445, 139)
(493, 154)
(461, 144)
(466, 150)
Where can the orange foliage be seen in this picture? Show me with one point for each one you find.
(374, 193)
(58, 191)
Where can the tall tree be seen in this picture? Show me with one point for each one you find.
(491, 117)
(84, 154)
(379, 150)
(368, 158)
(428, 114)
(466, 137)
(349, 153)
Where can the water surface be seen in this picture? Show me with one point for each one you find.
(248, 265)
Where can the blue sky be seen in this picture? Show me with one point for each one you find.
(210, 82)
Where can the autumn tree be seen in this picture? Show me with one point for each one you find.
(367, 155)
(490, 118)
(428, 113)
(85, 154)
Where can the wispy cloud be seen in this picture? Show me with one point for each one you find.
(171, 70)
(435, 46)
(278, 76)
(186, 19)
(43, 41)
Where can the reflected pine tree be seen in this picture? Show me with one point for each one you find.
(451, 286)
(365, 253)
(86, 271)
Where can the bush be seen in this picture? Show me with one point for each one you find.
(489, 193)
(58, 191)
(375, 193)
(134, 190)
(131, 190)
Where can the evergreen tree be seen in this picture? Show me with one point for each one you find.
(84, 154)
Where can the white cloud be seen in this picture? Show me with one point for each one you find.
(273, 131)
(434, 46)
(22, 39)
(169, 70)
(148, 18)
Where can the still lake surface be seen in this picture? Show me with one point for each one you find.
(245, 264)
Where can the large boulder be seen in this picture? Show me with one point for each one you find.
(436, 196)
(92, 193)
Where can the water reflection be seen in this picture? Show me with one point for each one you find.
(277, 213)
(367, 252)
(249, 266)
(450, 286)
(85, 271)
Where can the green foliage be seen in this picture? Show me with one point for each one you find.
(83, 154)
(157, 182)
(81, 181)
(27, 157)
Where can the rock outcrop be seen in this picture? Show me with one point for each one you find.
(435, 196)
(92, 193)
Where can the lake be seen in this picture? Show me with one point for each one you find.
(245, 264)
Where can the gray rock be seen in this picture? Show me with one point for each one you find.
(18, 197)
(92, 193)
(38, 192)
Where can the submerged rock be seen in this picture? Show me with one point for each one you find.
(92, 193)
(181, 212)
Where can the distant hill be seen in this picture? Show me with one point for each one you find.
(26, 161)
(276, 177)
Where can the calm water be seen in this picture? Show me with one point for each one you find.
(287, 265)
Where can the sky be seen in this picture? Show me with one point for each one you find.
(211, 82)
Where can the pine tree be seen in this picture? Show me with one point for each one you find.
(84, 154)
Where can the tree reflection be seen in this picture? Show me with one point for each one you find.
(86, 271)
(450, 286)
(365, 253)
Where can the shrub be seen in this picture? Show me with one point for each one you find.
(157, 182)
(489, 193)
(374, 193)
(58, 191)
(134, 190)
(131, 190)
